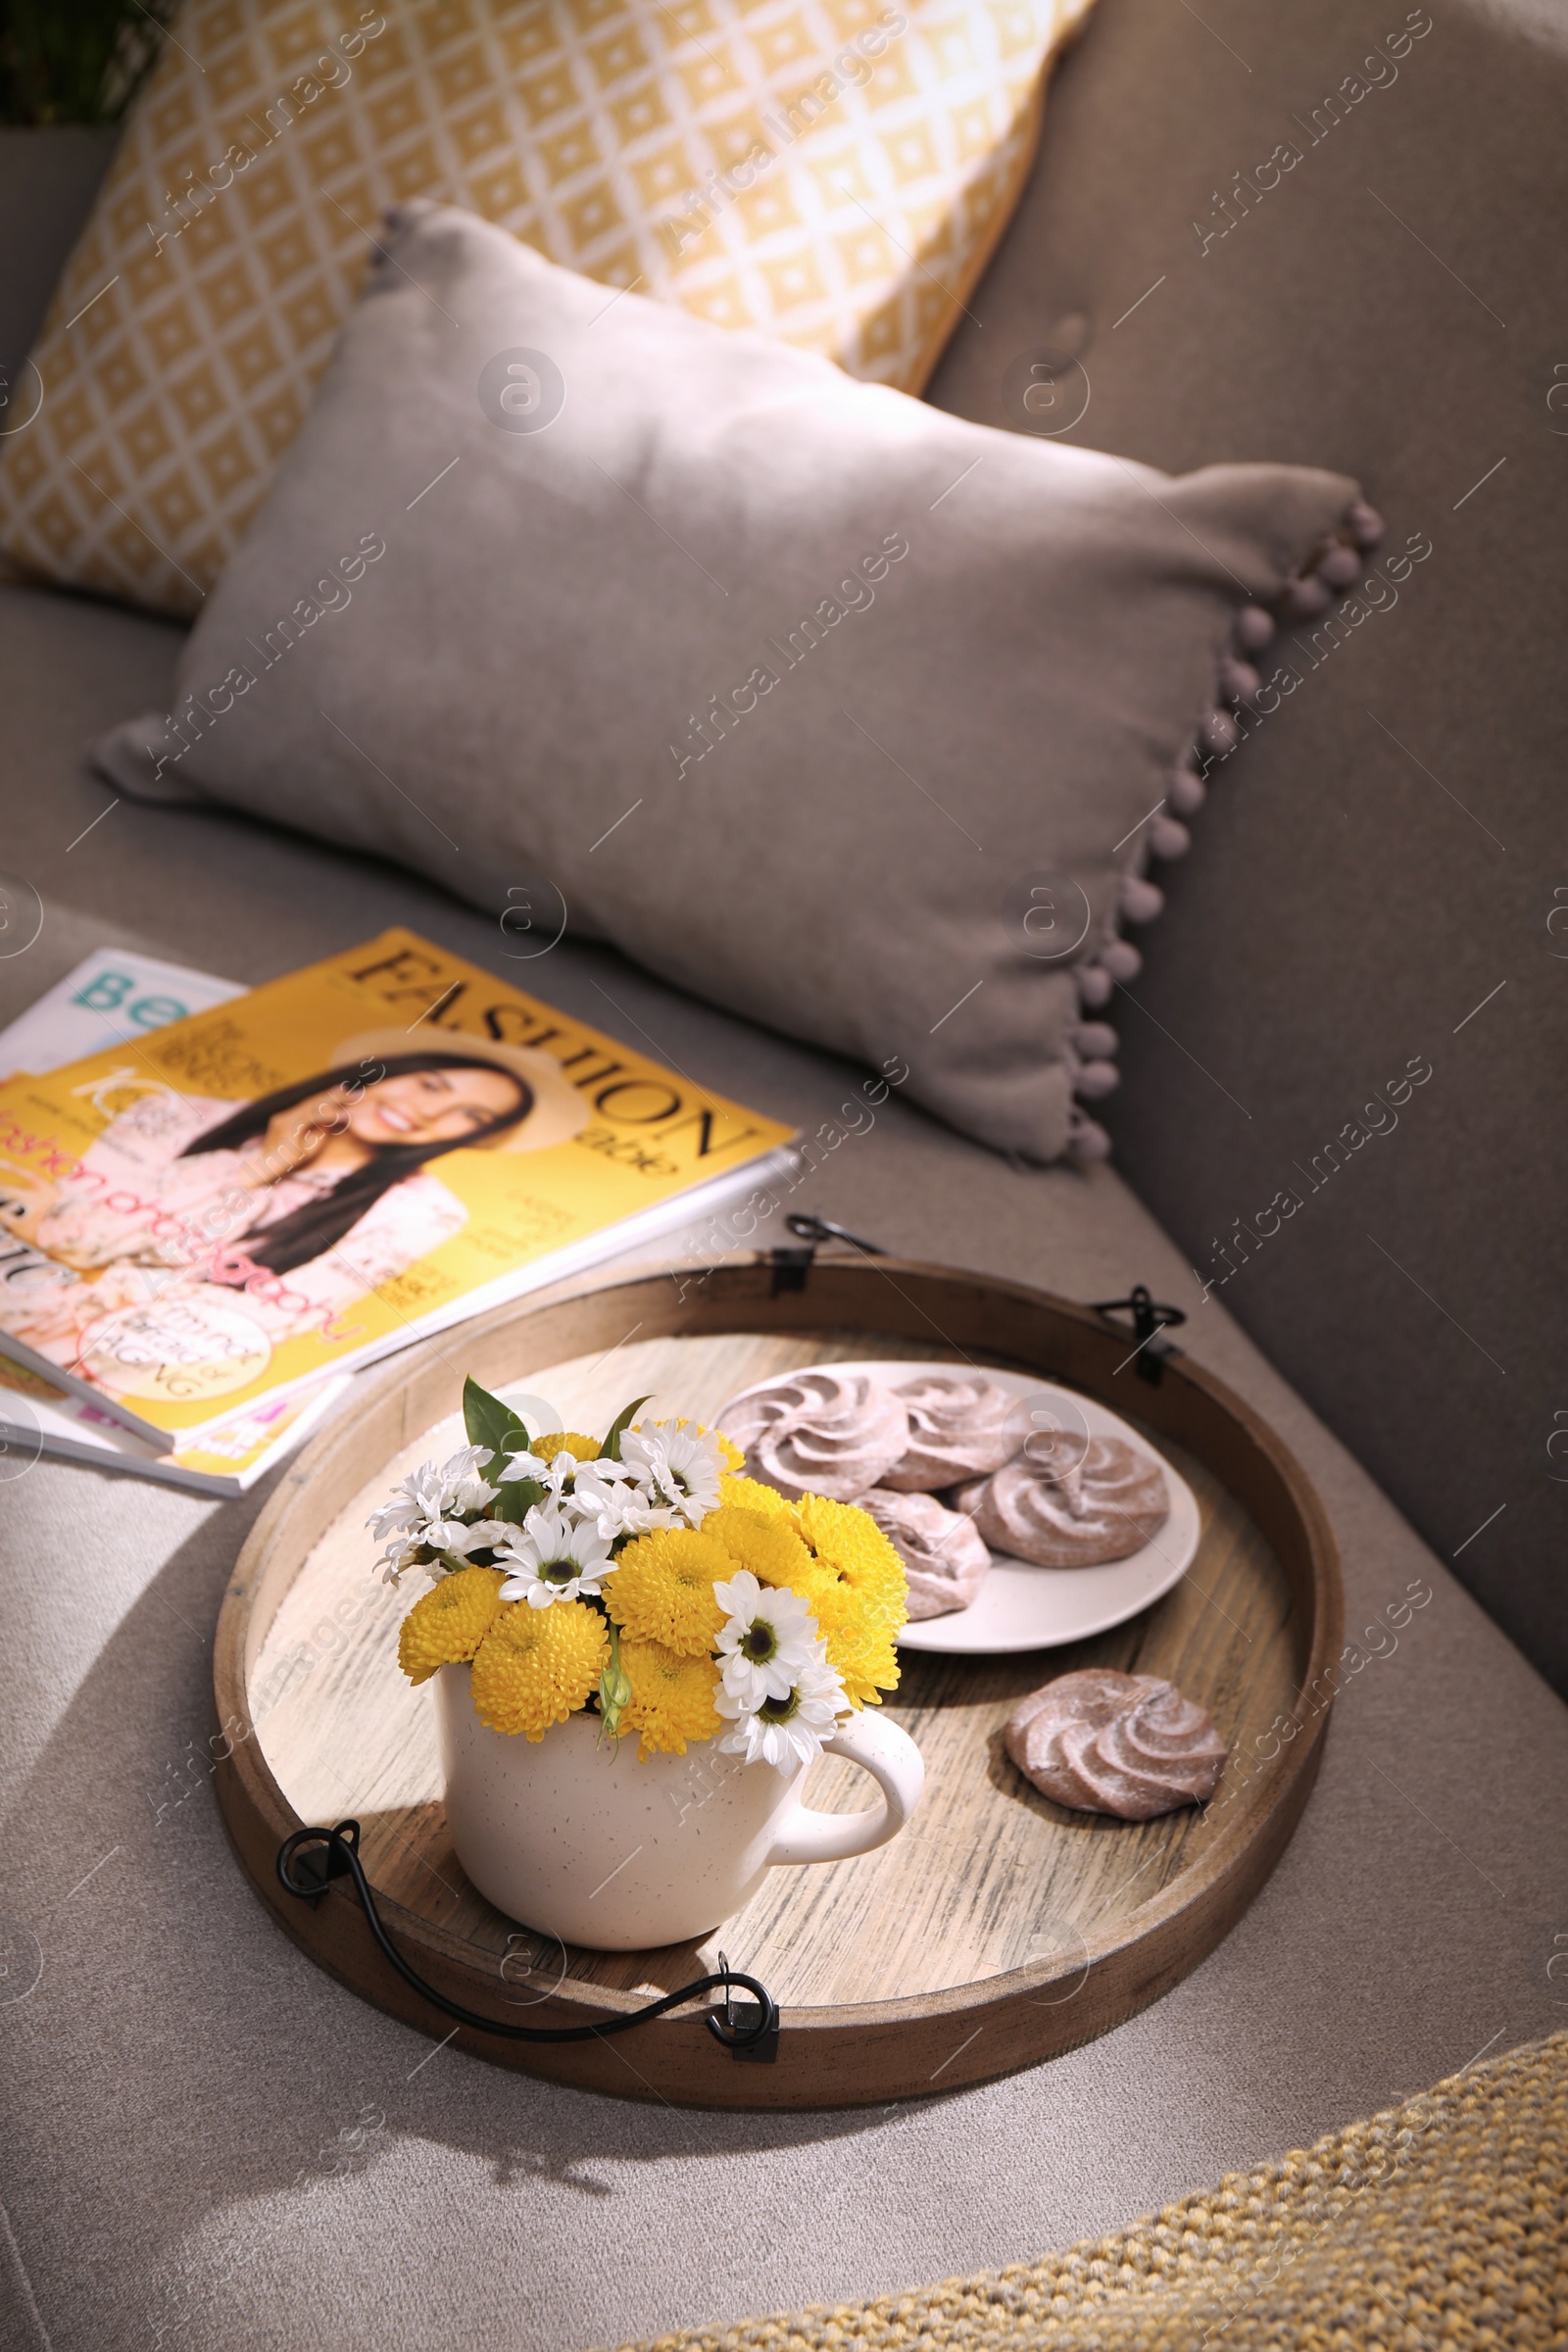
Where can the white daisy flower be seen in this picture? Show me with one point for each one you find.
(556, 1477)
(610, 1497)
(678, 1468)
(450, 1539)
(790, 1730)
(430, 1506)
(400, 1554)
(524, 1465)
(431, 1493)
(464, 1537)
(768, 1641)
(552, 1557)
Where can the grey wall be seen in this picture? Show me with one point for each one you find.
(48, 180)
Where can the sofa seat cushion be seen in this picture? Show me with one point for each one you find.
(1377, 2226)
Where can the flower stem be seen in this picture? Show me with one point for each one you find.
(614, 1689)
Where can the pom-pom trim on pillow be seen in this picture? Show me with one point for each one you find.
(1112, 958)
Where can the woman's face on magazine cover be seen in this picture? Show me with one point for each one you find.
(431, 1107)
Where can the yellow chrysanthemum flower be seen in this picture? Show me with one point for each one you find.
(448, 1622)
(566, 1441)
(671, 1698)
(860, 1599)
(764, 1543)
(859, 1637)
(750, 1495)
(866, 1664)
(662, 1588)
(850, 1541)
(536, 1667)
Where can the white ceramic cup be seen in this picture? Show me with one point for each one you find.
(584, 1842)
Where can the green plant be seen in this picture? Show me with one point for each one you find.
(76, 60)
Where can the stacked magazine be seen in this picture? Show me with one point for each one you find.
(216, 1206)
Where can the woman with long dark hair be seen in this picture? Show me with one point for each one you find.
(349, 1138)
(304, 1197)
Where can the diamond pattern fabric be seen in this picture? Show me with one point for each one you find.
(833, 173)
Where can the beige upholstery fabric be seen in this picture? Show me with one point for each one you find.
(1445, 2215)
(1379, 862)
(821, 704)
(831, 172)
(176, 2085)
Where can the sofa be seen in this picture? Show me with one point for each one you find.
(177, 2074)
(1382, 857)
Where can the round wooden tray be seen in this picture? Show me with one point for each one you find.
(999, 1928)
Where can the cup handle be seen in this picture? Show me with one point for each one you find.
(894, 1762)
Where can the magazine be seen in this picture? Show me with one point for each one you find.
(113, 996)
(301, 1180)
(38, 1418)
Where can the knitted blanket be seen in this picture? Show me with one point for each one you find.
(1439, 2224)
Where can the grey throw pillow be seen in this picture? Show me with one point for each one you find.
(852, 716)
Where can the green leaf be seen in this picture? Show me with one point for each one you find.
(75, 64)
(495, 1425)
(517, 1499)
(610, 1449)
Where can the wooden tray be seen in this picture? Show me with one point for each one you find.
(999, 1928)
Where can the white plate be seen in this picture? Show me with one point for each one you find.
(1020, 1607)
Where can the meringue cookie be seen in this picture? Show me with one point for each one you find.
(958, 1429)
(819, 1433)
(1064, 1505)
(1123, 1743)
(944, 1559)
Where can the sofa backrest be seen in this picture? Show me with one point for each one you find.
(1324, 234)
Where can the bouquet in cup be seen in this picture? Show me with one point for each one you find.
(639, 1577)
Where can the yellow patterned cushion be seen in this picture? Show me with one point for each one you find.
(834, 173)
